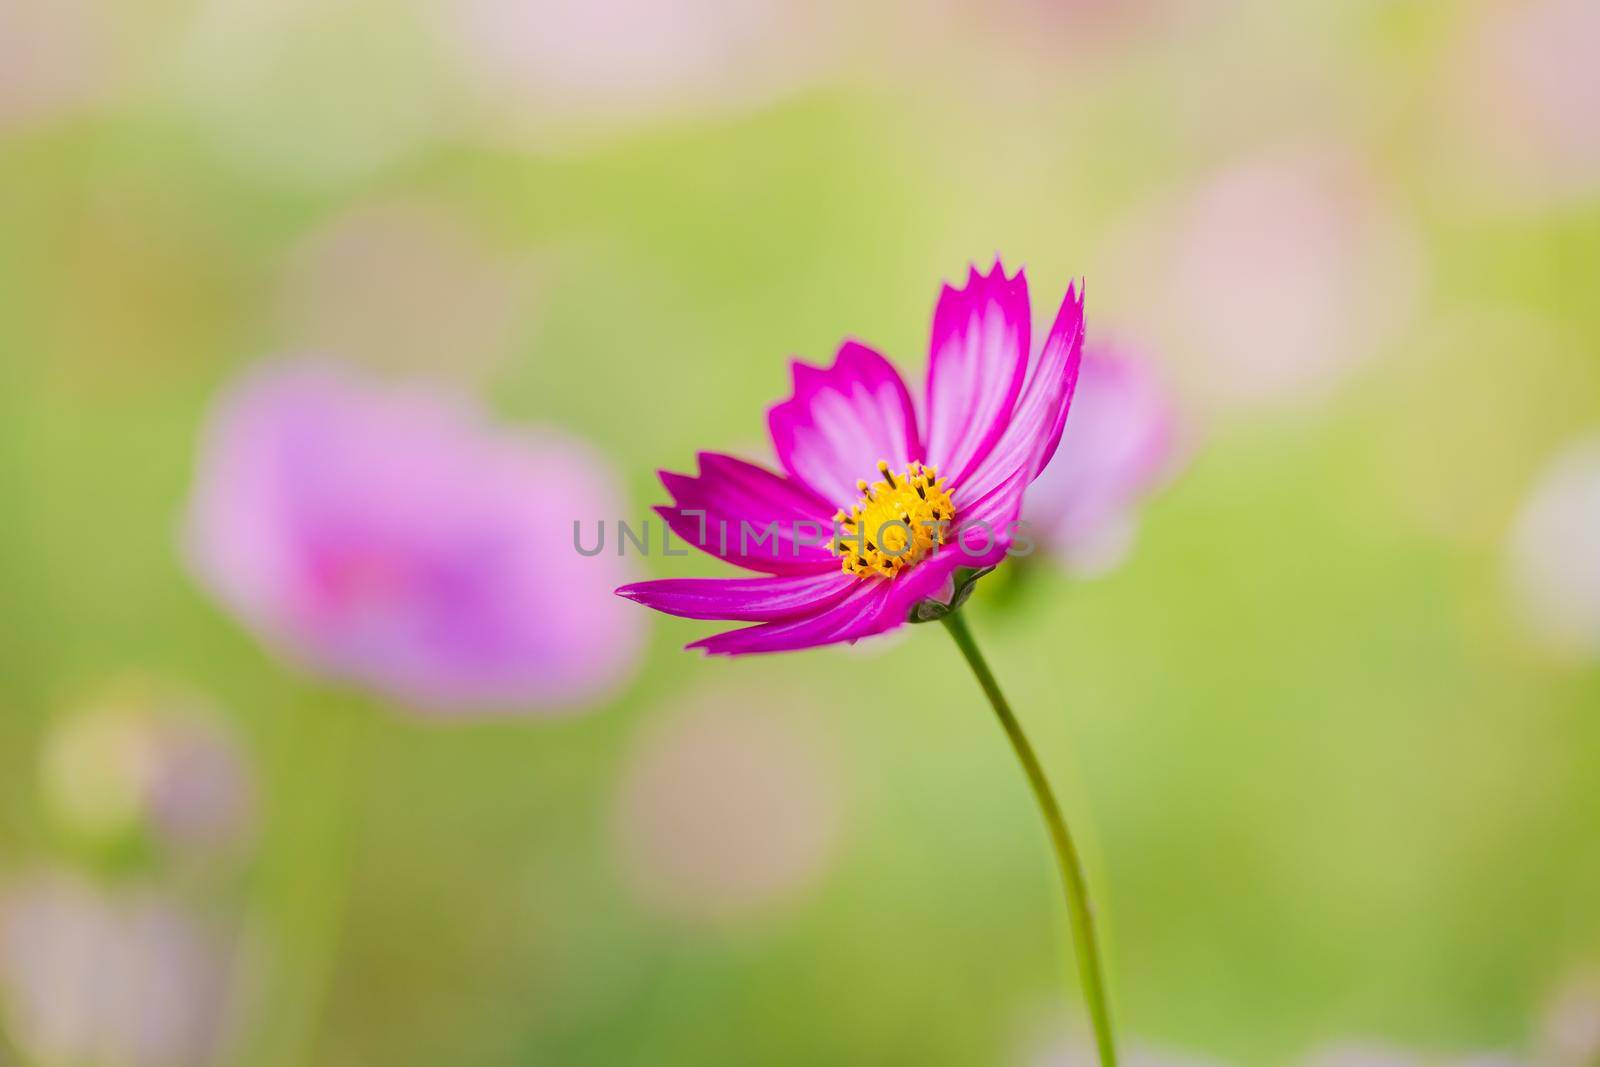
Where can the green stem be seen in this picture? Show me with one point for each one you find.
(1091, 971)
(303, 884)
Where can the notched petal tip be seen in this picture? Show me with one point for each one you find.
(802, 374)
(978, 361)
(839, 421)
(854, 350)
(995, 278)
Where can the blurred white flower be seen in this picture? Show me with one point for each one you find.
(405, 287)
(143, 759)
(310, 94)
(724, 807)
(1355, 1054)
(1276, 276)
(598, 63)
(1056, 1049)
(96, 980)
(1555, 553)
(1569, 1035)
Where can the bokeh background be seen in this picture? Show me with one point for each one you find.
(1329, 727)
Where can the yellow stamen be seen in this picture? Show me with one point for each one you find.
(897, 521)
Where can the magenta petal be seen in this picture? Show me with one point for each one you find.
(851, 617)
(752, 517)
(977, 363)
(841, 421)
(746, 599)
(1034, 430)
(871, 606)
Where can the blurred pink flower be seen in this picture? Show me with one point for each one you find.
(52, 58)
(393, 538)
(145, 757)
(613, 61)
(1037, 45)
(1276, 276)
(201, 793)
(403, 286)
(97, 980)
(725, 808)
(1525, 94)
(1120, 443)
(1555, 553)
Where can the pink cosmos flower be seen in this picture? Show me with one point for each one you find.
(943, 510)
(391, 537)
(1119, 445)
(878, 506)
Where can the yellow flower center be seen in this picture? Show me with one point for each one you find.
(899, 519)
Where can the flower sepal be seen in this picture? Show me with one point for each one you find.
(963, 581)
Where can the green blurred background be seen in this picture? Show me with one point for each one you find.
(1336, 788)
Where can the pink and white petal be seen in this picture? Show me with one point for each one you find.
(1121, 443)
(986, 528)
(1034, 431)
(872, 607)
(853, 616)
(841, 421)
(976, 366)
(743, 599)
(750, 517)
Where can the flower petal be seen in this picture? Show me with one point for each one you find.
(841, 421)
(871, 606)
(748, 599)
(1120, 443)
(1034, 430)
(750, 517)
(976, 366)
(986, 530)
